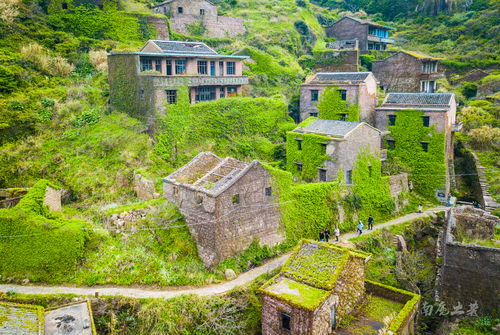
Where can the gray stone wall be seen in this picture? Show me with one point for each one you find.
(363, 94)
(161, 27)
(398, 184)
(349, 30)
(350, 287)
(343, 61)
(300, 322)
(470, 273)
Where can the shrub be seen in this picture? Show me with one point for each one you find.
(44, 62)
(87, 117)
(469, 90)
(485, 137)
(60, 67)
(9, 10)
(99, 60)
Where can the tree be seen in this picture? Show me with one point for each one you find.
(332, 107)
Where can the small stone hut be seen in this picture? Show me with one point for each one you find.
(318, 286)
(227, 204)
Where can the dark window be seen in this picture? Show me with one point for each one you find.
(64, 5)
(370, 46)
(299, 144)
(180, 66)
(205, 93)
(235, 198)
(202, 12)
(343, 95)
(221, 68)
(231, 91)
(426, 120)
(269, 191)
(222, 92)
(202, 67)
(313, 114)
(299, 167)
(146, 64)
(285, 321)
(392, 120)
(164, 10)
(425, 146)
(231, 67)
(324, 145)
(343, 116)
(158, 65)
(171, 97)
(322, 174)
(212, 68)
(314, 95)
(169, 67)
(348, 177)
(180, 10)
(391, 144)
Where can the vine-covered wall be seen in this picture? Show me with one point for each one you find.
(331, 106)
(427, 170)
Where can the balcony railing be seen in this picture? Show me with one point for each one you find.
(373, 38)
(431, 75)
(194, 81)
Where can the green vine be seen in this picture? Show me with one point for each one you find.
(332, 107)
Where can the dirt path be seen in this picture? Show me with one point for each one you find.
(201, 291)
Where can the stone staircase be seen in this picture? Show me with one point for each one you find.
(489, 204)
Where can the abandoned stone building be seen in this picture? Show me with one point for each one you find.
(339, 56)
(227, 204)
(142, 83)
(319, 286)
(355, 87)
(408, 71)
(470, 270)
(439, 112)
(189, 15)
(370, 35)
(340, 143)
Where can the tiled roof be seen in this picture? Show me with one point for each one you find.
(420, 55)
(352, 77)
(169, 1)
(418, 99)
(328, 127)
(184, 47)
(363, 21)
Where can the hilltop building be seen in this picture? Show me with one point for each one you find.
(227, 204)
(320, 285)
(141, 83)
(439, 111)
(71, 319)
(186, 15)
(408, 71)
(370, 35)
(318, 149)
(355, 87)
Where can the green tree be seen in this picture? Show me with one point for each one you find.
(332, 107)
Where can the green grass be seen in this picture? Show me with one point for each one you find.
(378, 308)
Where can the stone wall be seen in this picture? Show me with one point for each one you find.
(470, 273)
(339, 61)
(300, 322)
(398, 184)
(52, 199)
(348, 30)
(161, 27)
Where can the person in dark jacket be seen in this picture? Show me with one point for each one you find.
(327, 234)
(370, 222)
(322, 235)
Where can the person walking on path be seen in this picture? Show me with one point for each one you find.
(360, 227)
(370, 222)
(322, 236)
(327, 234)
(420, 207)
(336, 232)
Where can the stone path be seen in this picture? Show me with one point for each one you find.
(242, 279)
(490, 204)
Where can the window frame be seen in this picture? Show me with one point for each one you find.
(313, 114)
(314, 95)
(146, 64)
(343, 95)
(221, 68)
(180, 10)
(202, 11)
(180, 64)
(235, 199)
(171, 96)
(299, 144)
(348, 177)
(268, 191)
(322, 175)
(426, 120)
(299, 166)
(391, 119)
(158, 65)
(202, 67)
(425, 146)
(391, 144)
(285, 321)
(230, 68)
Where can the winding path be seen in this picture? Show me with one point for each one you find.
(215, 289)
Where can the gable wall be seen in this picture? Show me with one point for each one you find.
(399, 73)
(347, 29)
(301, 319)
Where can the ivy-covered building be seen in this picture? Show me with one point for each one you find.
(190, 17)
(320, 285)
(371, 35)
(357, 88)
(408, 71)
(141, 83)
(421, 127)
(318, 149)
(227, 204)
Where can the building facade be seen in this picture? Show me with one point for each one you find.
(186, 15)
(358, 88)
(227, 204)
(340, 143)
(408, 72)
(370, 35)
(142, 83)
(439, 111)
(318, 287)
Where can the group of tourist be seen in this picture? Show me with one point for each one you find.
(324, 235)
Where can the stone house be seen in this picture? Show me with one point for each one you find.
(227, 204)
(184, 14)
(141, 83)
(407, 71)
(340, 142)
(355, 87)
(439, 111)
(371, 35)
(318, 287)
